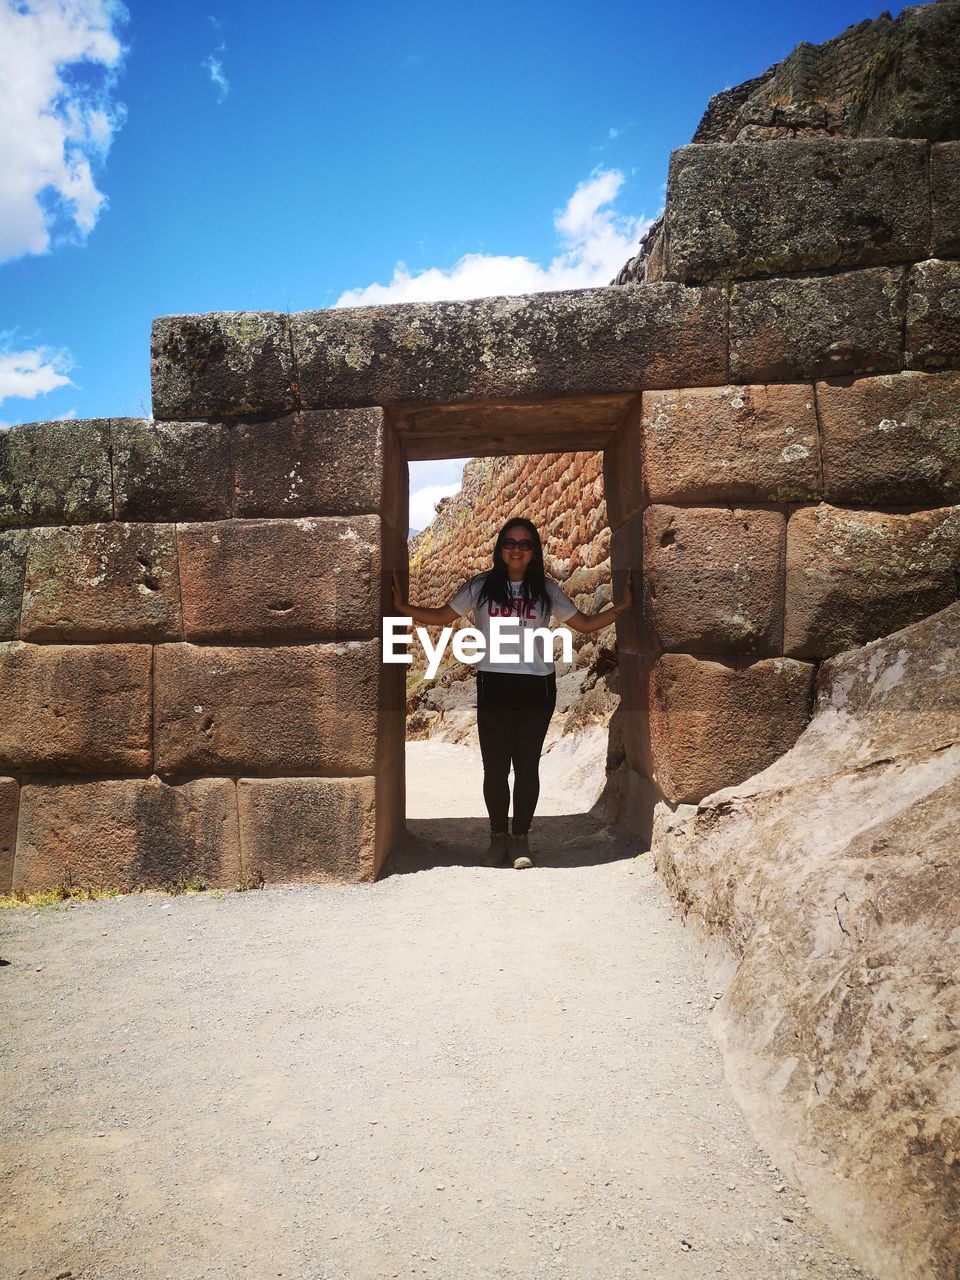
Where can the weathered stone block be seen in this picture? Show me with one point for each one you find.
(582, 341)
(9, 807)
(13, 563)
(891, 441)
(622, 481)
(308, 579)
(767, 208)
(793, 329)
(319, 830)
(626, 556)
(853, 576)
(221, 364)
(297, 710)
(945, 199)
(713, 578)
(128, 834)
(55, 473)
(932, 338)
(101, 582)
(311, 464)
(171, 470)
(74, 708)
(731, 444)
(712, 724)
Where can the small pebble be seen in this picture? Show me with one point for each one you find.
(313, 1155)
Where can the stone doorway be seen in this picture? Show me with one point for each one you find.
(561, 489)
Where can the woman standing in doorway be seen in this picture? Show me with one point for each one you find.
(515, 700)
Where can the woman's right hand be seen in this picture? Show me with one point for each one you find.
(398, 602)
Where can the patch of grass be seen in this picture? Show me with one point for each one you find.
(54, 897)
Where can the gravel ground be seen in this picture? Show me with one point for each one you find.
(456, 1072)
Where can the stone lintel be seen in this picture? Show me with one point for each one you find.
(582, 342)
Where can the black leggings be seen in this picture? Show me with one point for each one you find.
(513, 712)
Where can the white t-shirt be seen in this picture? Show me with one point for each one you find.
(465, 601)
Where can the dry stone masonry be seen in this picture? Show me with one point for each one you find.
(190, 605)
(191, 685)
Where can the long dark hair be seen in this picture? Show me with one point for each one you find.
(534, 579)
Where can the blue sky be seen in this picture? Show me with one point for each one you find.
(183, 157)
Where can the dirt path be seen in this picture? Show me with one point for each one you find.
(454, 1073)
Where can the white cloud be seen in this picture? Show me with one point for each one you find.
(214, 68)
(58, 60)
(26, 374)
(423, 502)
(429, 482)
(594, 240)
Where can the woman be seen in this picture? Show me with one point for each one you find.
(514, 700)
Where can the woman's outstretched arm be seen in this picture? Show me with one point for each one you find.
(426, 617)
(587, 623)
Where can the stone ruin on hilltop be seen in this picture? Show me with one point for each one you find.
(776, 405)
(190, 674)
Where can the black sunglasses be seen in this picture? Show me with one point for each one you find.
(521, 544)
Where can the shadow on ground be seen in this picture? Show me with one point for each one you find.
(569, 840)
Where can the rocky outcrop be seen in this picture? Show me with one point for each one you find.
(826, 890)
(882, 78)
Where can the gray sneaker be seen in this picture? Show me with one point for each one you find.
(499, 852)
(521, 852)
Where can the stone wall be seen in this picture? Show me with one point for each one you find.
(189, 606)
(190, 671)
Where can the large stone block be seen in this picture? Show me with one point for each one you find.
(626, 556)
(101, 582)
(13, 563)
(622, 465)
(298, 710)
(74, 708)
(319, 830)
(932, 338)
(817, 327)
(311, 464)
(945, 199)
(221, 364)
(892, 440)
(712, 723)
(713, 578)
(309, 579)
(9, 807)
(768, 208)
(128, 834)
(55, 473)
(171, 470)
(731, 444)
(853, 576)
(550, 344)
